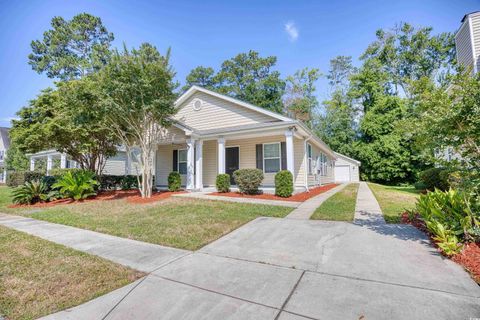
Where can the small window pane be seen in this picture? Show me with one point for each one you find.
(309, 148)
(272, 165)
(182, 155)
(182, 168)
(271, 150)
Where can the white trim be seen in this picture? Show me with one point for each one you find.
(290, 153)
(472, 42)
(272, 158)
(178, 161)
(194, 89)
(199, 165)
(221, 155)
(190, 164)
(309, 159)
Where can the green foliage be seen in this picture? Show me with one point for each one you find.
(435, 178)
(248, 180)
(174, 181)
(223, 183)
(31, 192)
(452, 217)
(111, 182)
(247, 77)
(138, 90)
(17, 178)
(58, 172)
(16, 159)
(299, 99)
(284, 184)
(68, 119)
(71, 49)
(77, 185)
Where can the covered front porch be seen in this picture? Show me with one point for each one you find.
(50, 159)
(199, 157)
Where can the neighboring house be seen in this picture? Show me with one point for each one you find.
(214, 133)
(4, 144)
(346, 169)
(467, 42)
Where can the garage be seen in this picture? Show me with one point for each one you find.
(346, 169)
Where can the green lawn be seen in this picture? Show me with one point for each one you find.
(340, 206)
(38, 277)
(394, 200)
(5, 198)
(176, 222)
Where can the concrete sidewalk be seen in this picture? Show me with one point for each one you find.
(367, 209)
(138, 255)
(305, 210)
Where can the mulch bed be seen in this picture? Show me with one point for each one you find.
(299, 197)
(132, 196)
(468, 258)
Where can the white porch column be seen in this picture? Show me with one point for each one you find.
(49, 164)
(221, 155)
(190, 164)
(289, 147)
(32, 164)
(4, 175)
(63, 161)
(199, 165)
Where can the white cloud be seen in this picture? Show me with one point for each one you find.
(292, 31)
(8, 120)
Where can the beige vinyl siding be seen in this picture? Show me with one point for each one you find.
(463, 46)
(354, 168)
(164, 163)
(476, 36)
(217, 113)
(116, 165)
(315, 179)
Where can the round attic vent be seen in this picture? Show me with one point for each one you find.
(197, 104)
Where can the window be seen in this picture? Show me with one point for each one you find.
(2, 153)
(182, 161)
(271, 157)
(309, 156)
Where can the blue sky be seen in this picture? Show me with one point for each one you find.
(207, 32)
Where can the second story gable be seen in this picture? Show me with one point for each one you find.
(467, 42)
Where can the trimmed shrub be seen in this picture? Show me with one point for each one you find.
(111, 182)
(435, 178)
(284, 184)
(248, 180)
(223, 183)
(18, 178)
(174, 181)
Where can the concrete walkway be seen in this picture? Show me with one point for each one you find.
(138, 255)
(205, 196)
(305, 210)
(367, 209)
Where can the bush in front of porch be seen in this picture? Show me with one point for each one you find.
(284, 184)
(248, 180)
(223, 183)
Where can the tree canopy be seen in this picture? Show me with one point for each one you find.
(72, 48)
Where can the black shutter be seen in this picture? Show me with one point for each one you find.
(283, 151)
(259, 148)
(175, 160)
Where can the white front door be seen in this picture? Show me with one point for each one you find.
(342, 173)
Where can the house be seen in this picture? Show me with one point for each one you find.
(467, 41)
(346, 169)
(213, 133)
(4, 144)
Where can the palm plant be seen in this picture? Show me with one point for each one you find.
(30, 192)
(77, 185)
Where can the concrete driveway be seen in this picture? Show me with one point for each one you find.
(299, 269)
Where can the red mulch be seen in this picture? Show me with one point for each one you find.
(132, 196)
(469, 257)
(299, 197)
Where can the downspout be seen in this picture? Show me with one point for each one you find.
(305, 161)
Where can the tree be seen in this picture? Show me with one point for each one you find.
(247, 77)
(299, 99)
(72, 49)
(201, 76)
(70, 120)
(139, 101)
(16, 159)
(336, 123)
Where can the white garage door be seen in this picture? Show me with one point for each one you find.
(342, 173)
